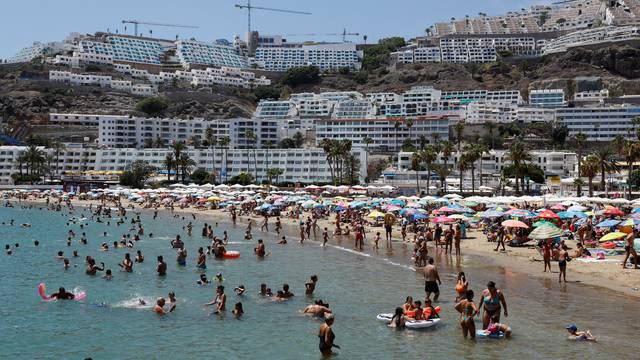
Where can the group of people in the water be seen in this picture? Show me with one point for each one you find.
(492, 302)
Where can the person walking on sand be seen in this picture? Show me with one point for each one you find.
(629, 250)
(432, 280)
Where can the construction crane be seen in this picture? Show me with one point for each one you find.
(250, 7)
(344, 34)
(138, 22)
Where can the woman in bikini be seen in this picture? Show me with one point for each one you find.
(492, 303)
(468, 310)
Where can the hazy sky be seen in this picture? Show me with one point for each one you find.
(25, 21)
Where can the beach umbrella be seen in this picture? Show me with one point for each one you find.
(514, 224)
(491, 214)
(442, 219)
(458, 217)
(612, 236)
(375, 214)
(571, 214)
(546, 231)
(548, 214)
(470, 203)
(577, 208)
(630, 222)
(542, 222)
(613, 212)
(557, 207)
(608, 223)
(520, 213)
(419, 216)
(391, 207)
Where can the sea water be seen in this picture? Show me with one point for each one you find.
(110, 323)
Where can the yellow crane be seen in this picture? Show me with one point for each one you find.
(250, 8)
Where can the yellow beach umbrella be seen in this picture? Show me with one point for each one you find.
(612, 236)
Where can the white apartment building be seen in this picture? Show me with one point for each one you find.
(192, 53)
(548, 98)
(324, 56)
(553, 163)
(600, 36)
(128, 131)
(600, 123)
(79, 58)
(497, 96)
(480, 112)
(529, 115)
(593, 96)
(305, 166)
(354, 109)
(386, 135)
(276, 109)
(38, 49)
(69, 77)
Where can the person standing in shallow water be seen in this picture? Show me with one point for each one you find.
(327, 336)
(432, 280)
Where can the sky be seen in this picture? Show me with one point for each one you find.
(26, 21)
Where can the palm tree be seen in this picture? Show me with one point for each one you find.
(327, 145)
(446, 149)
(49, 159)
(178, 147)
(409, 124)
(367, 141)
(443, 172)
(415, 166)
(224, 143)
(631, 152)
(59, 147)
(578, 183)
(168, 164)
(491, 126)
(185, 163)
(396, 126)
(518, 156)
(606, 163)
(212, 141)
(435, 138)
(482, 149)
(429, 155)
(473, 152)
(589, 169)
(618, 144)
(581, 141)
(459, 129)
(464, 161)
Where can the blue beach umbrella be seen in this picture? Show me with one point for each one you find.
(608, 223)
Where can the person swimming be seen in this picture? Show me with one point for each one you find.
(239, 290)
(237, 310)
(203, 280)
(159, 307)
(574, 334)
(62, 294)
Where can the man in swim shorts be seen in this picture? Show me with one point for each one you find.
(432, 279)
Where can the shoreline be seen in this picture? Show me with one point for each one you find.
(606, 275)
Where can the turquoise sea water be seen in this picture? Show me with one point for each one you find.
(357, 287)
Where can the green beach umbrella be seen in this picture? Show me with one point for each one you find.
(545, 232)
(542, 222)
